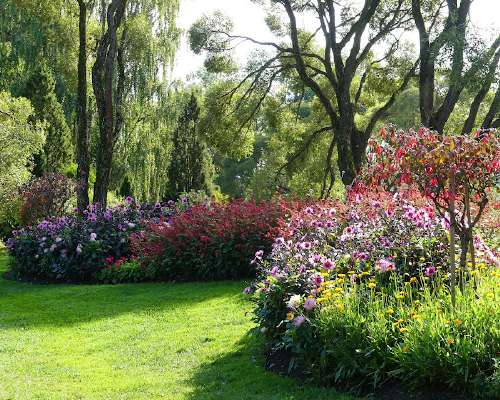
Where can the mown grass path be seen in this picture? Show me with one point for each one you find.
(141, 341)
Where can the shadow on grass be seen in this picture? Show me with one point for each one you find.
(241, 375)
(24, 305)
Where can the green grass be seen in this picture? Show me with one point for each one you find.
(141, 341)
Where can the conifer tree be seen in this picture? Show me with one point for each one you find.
(190, 167)
(57, 151)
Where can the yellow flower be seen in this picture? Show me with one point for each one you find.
(372, 285)
(400, 295)
(415, 316)
(289, 316)
(451, 341)
(458, 322)
(338, 290)
(405, 349)
(390, 311)
(413, 279)
(350, 272)
(403, 330)
(341, 276)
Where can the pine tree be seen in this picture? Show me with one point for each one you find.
(57, 151)
(191, 167)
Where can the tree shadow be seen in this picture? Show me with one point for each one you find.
(25, 305)
(240, 374)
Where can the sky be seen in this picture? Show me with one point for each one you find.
(248, 20)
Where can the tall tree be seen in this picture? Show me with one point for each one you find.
(57, 151)
(452, 36)
(109, 62)
(190, 165)
(350, 36)
(82, 143)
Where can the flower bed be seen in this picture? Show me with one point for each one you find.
(210, 242)
(76, 248)
(357, 294)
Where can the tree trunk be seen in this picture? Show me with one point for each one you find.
(108, 99)
(452, 240)
(82, 145)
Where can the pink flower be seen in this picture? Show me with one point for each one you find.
(328, 264)
(306, 245)
(384, 265)
(259, 254)
(429, 271)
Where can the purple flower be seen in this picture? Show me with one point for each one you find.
(248, 290)
(298, 321)
(429, 271)
(108, 215)
(129, 200)
(259, 254)
(92, 217)
(309, 304)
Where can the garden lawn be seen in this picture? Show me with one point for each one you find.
(137, 341)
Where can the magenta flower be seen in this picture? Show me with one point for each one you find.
(429, 271)
(317, 280)
(129, 200)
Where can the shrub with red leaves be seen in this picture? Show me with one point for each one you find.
(211, 242)
(46, 196)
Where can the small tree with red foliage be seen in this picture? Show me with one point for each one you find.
(456, 172)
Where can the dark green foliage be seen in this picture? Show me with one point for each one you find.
(190, 166)
(57, 151)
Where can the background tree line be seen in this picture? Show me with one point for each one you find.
(294, 118)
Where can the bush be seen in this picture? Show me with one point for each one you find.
(210, 242)
(47, 196)
(123, 271)
(75, 248)
(357, 292)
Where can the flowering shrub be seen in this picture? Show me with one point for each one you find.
(455, 172)
(210, 242)
(75, 248)
(348, 287)
(47, 196)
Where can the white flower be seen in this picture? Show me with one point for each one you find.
(294, 301)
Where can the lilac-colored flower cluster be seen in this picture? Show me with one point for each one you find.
(366, 242)
(75, 247)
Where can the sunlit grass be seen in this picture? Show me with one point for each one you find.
(138, 341)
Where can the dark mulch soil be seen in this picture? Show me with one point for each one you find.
(279, 362)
